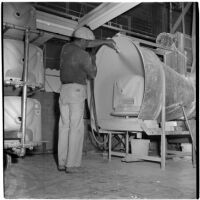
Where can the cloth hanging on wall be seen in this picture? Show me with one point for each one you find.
(52, 80)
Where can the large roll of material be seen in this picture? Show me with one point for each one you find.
(14, 62)
(12, 116)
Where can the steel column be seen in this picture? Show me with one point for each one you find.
(183, 18)
(194, 39)
(170, 17)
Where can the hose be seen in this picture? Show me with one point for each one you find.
(94, 114)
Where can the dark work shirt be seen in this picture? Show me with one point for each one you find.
(75, 65)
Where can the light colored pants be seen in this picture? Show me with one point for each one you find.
(71, 126)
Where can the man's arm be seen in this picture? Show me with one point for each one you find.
(61, 57)
(97, 43)
(89, 66)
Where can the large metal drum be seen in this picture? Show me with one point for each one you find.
(142, 69)
(13, 62)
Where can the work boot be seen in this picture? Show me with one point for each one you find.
(61, 168)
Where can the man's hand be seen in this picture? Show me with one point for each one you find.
(112, 44)
(97, 43)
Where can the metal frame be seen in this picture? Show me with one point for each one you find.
(20, 148)
(41, 35)
(24, 93)
(162, 159)
(162, 132)
(193, 143)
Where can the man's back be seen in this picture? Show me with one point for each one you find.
(75, 65)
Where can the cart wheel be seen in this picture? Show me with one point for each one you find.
(7, 160)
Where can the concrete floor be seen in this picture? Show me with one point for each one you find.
(37, 177)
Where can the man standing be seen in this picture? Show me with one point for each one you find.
(76, 66)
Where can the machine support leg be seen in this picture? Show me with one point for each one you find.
(109, 146)
(104, 142)
(163, 137)
(193, 143)
(193, 155)
(127, 144)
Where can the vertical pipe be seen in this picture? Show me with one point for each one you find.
(44, 62)
(183, 25)
(193, 70)
(25, 79)
(163, 137)
(183, 18)
(170, 17)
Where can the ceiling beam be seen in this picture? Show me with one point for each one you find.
(104, 13)
(55, 24)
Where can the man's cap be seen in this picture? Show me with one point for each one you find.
(84, 33)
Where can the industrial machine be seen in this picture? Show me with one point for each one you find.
(141, 88)
(131, 82)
